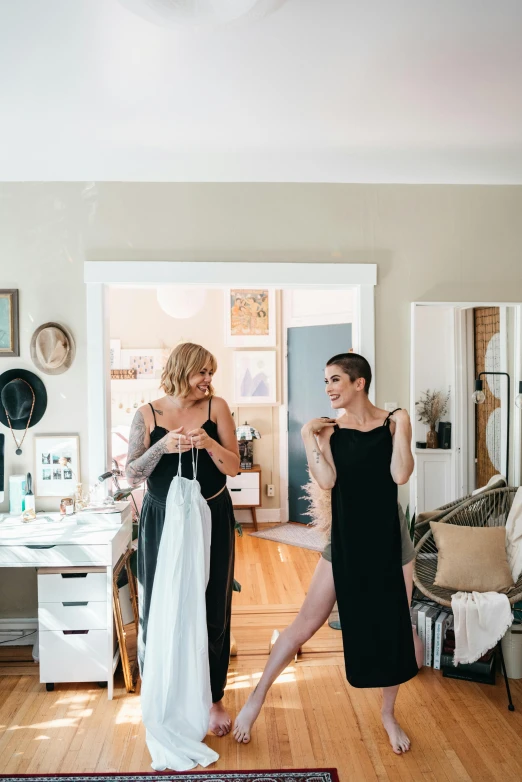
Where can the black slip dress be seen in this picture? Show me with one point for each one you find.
(366, 560)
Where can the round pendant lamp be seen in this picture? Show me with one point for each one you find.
(179, 302)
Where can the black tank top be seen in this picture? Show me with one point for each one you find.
(209, 477)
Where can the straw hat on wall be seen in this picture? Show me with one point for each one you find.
(52, 348)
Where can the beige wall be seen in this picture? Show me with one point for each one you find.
(429, 242)
(139, 322)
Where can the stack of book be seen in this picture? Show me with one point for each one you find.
(434, 625)
(482, 671)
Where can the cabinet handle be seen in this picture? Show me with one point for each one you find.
(74, 575)
(75, 632)
(28, 545)
(76, 603)
(235, 489)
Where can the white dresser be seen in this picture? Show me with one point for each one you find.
(245, 490)
(74, 562)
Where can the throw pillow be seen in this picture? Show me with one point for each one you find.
(471, 559)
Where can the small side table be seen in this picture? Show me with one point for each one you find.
(245, 490)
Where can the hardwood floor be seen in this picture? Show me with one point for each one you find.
(459, 730)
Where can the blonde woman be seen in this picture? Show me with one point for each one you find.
(189, 414)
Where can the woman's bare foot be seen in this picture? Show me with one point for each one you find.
(220, 722)
(398, 739)
(246, 718)
(419, 649)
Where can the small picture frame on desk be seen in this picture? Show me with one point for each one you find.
(57, 465)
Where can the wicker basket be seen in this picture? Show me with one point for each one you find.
(488, 509)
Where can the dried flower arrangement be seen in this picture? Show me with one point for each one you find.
(319, 506)
(432, 407)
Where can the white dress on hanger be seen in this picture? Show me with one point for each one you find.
(175, 695)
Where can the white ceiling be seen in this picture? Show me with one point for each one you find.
(319, 91)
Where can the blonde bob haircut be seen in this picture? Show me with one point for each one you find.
(185, 361)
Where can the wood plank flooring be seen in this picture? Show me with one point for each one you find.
(459, 730)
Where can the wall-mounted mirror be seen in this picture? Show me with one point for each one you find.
(459, 349)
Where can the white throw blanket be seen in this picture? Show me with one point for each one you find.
(175, 694)
(482, 618)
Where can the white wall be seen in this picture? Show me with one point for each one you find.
(438, 243)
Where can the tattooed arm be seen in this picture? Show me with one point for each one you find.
(142, 458)
(316, 438)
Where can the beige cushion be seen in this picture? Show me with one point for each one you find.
(471, 559)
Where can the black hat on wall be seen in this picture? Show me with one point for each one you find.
(16, 396)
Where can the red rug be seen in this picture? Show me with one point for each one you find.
(296, 775)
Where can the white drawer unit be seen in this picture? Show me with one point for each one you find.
(73, 622)
(245, 490)
(74, 656)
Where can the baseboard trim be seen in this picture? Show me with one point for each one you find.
(263, 515)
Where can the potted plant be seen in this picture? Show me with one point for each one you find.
(431, 407)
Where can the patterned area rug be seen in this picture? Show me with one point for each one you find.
(292, 534)
(298, 775)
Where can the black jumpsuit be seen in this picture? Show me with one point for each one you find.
(220, 585)
(366, 560)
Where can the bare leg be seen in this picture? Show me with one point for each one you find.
(398, 739)
(314, 612)
(407, 571)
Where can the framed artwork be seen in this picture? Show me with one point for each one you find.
(57, 464)
(250, 318)
(9, 327)
(115, 353)
(148, 362)
(255, 377)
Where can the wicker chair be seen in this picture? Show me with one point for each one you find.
(489, 509)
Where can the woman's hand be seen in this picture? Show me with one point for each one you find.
(400, 418)
(176, 442)
(200, 439)
(316, 425)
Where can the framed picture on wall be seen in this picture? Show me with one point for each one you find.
(148, 362)
(9, 327)
(255, 377)
(250, 317)
(57, 464)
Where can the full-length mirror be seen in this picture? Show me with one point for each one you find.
(465, 401)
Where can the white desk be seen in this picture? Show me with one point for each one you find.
(75, 563)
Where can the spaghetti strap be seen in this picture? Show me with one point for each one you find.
(209, 405)
(387, 421)
(153, 414)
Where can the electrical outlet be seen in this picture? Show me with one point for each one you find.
(270, 490)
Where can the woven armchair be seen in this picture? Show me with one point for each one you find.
(489, 509)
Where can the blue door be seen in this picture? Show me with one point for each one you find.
(309, 348)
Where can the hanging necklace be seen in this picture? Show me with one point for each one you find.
(19, 444)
